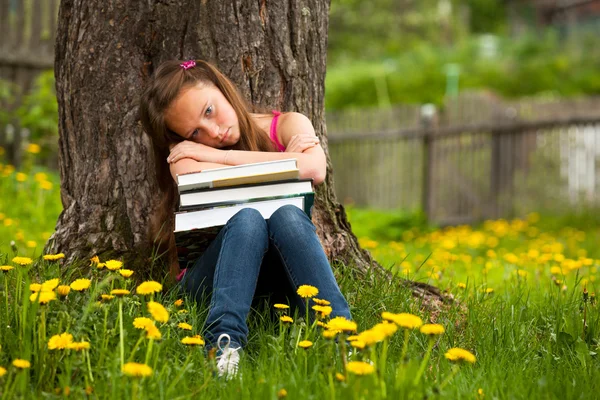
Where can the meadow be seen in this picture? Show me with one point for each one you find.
(521, 321)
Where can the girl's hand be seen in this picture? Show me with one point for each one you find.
(193, 150)
(299, 143)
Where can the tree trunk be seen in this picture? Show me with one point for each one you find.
(275, 51)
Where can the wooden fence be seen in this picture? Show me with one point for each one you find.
(530, 156)
(26, 48)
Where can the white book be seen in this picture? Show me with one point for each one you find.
(185, 221)
(232, 195)
(239, 174)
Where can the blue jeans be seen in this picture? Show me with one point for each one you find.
(252, 257)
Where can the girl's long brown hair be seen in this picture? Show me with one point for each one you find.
(164, 86)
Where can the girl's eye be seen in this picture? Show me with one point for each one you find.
(195, 133)
(209, 110)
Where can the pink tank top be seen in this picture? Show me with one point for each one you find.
(273, 133)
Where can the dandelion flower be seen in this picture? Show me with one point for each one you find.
(281, 306)
(60, 342)
(142, 322)
(54, 257)
(152, 332)
(342, 324)
(305, 344)
(107, 297)
(6, 268)
(340, 377)
(371, 336)
(387, 329)
(358, 344)
(81, 284)
(21, 364)
(50, 284)
(285, 318)
(281, 393)
(307, 291)
(78, 346)
(94, 260)
(323, 311)
(184, 326)
(100, 265)
(458, 354)
(462, 285)
(113, 265)
(432, 329)
(2, 371)
(33, 148)
(63, 290)
(321, 302)
(22, 261)
(328, 334)
(35, 287)
(119, 292)
(193, 340)
(148, 287)
(136, 370)
(360, 368)
(43, 297)
(404, 320)
(158, 312)
(178, 303)
(126, 273)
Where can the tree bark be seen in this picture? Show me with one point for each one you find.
(275, 51)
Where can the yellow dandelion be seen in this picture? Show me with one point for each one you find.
(63, 290)
(113, 265)
(158, 312)
(321, 302)
(33, 148)
(404, 320)
(35, 287)
(21, 177)
(126, 273)
(6, 268)
(281, 393)
(100, 265)
(148, 287)
(387, 329)
(340, 377)
(21, 364)
(281, 306)
(60, 342)
(193, 340)
(142, 322)
(46, 185)
(342, 324)
(432, 329)
(458, 354)
(285, 318)
(119, 292)
(2, 371)
(360, 368)
(371, 336)
(136, 370)
(78, 346)
(54, 257)
(323, 311)
(184, 326)
(305, 344)
(22, 261)
(322, 324)
(50, 284)
(152, 332)
(358, 344)
(43, 297)
(328, 334)
(461, 285)
(107, 297)
(94, 260)
(178, 303)
(81, 284)
(307, 291)
(182, 312)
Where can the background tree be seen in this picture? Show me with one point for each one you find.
(274, 51)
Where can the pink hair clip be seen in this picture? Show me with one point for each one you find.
(188, 64)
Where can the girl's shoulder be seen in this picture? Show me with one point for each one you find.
(294, 123)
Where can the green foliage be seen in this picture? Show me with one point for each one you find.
(522, 67)
(39, 109)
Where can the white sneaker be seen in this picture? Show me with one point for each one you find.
(227, 362)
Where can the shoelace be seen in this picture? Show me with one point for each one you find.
(229, 359)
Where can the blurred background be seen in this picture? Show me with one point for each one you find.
(454, 110)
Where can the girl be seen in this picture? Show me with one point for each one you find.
(197, 120)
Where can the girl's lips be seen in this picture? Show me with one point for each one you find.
(225, 136)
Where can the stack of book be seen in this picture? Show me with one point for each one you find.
(209, 198)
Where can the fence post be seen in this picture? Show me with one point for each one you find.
(429, 122)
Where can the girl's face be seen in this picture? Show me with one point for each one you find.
(202, 114)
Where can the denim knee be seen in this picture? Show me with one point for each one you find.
(290, 217)
(251, 223)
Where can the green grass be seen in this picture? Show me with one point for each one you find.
(528, 334)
